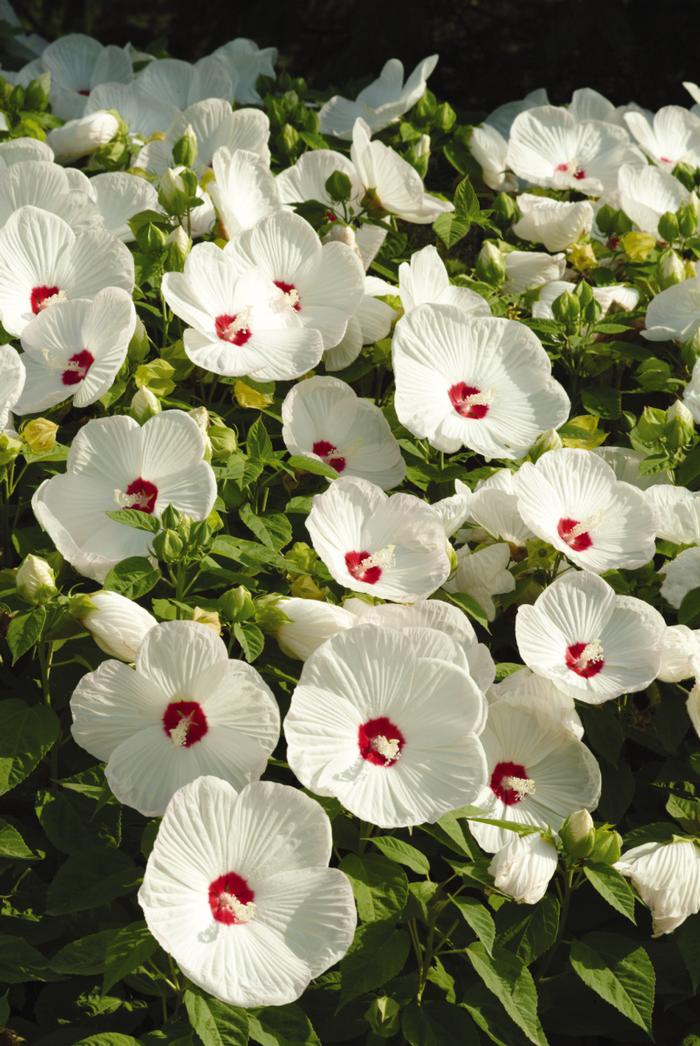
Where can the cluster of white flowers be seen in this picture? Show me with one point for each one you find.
(397, 712)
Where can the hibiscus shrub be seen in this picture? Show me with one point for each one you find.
(349, 558)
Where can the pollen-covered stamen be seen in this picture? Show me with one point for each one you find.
(77, 367)
(234, 327)
(45, 295)
(510, 782)
(141, 495)
(185, 723)
(380, 741)
(231, 899)
(470, 401)
(577, 533)
(291, 294)
(368, 566)
(585, 659)
(328, 452)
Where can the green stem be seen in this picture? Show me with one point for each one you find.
(45, 654)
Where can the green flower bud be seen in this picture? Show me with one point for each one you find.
(35, 581)
(668, 227)
(550, 440)
(139, 344)
(167, 545)
(10, 448)
(685, 173)
(237, 604)
(179, 246)
(37, 93)
(339, 186)
(605, 219)
(687, 215)
(223, 441)
(566, 310)
(671, 269)
(505, 207)
(607, 846)
(144, 405)
(185, 149)
(578, 834)
(384, 1017)
(490, 266)
(680, 425)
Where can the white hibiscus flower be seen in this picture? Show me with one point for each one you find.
(479, 382)
(572, 499)
(667, 877)
(537, 774)
(389, 547)
(323, 418)
(75, 349)
(42, 262)
(384, 722)
(592, 643)
(238, 890)
(379, 104)
(114, 463)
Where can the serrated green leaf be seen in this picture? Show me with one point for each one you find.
(380, 886)
(131, 517)
(612, 887)
(251, 638)
(274, 530)
(91, 878)
(129, 948)
(402, 853)
(282, 1026)
(215, 1022)
(511, 982)
(375, 958)
(479, 919)
(620, 972)
(132, 577)
(313, 465)
(13, 846)
(24, 632)
(28, 733)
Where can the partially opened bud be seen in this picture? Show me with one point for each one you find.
(117, 624)
(209, 618)
(490, 266)
(524, 867)
(40, 435)
(185, 148)
(36, 581)
(311, 623)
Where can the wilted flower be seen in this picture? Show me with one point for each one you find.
(667, 877)
(524, 866)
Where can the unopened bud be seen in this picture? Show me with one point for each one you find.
(671, 269)
(490, 266)
(566, 309)
(209, 618)
(668, 227)
(680, 425)
(505, 207)
(35, 581)
(201, 416)
(144, 405)
(10, 448)
(549, 440)
(185, 148)
(607, 846)
(687, 215)
(179, 246)
(139, 344)
(638, 245)
(578, 834)
(237, 604)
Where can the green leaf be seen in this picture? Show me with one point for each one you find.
(686, 811)
(603, 401)
(540, 930)
(24, 632)
(479, 919)
(129, 948)
(251, 638)
(12, 845)
(454, 226)
(511, 982)
(620, 972)
(402, 853)
(689, 611)
(379, 886)
(91, 878)
(108, 1038)
(275, 530)
(19, 961)
(133, 577)
(468, 605)
(258, 443)
(282, 1026)
(687, 940)
(374, 959)
(438, 1023)
(313, 465)
(612, 887)
(216, 1023)
(131, 517)
(28, 733)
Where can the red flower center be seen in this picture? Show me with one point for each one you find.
(666, 159)
(40, 294)
(185, 723)
(142, 495)
(503, 781)
(380, 741)
(331, 216)
(78, 366)
(292, 293)
(570, 531)
(562, 167)
(468, 401)
(228, 896)
(357, 565)
(232, 329)
(585, 659)
(579, 174)
(85, 93)
(328, 451)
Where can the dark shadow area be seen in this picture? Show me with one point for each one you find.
(490, 50)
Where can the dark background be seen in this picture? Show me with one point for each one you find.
(491, 51)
